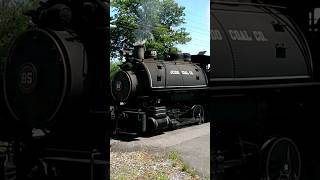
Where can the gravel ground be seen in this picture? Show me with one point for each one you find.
(141, 165)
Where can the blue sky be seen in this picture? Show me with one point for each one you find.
(197, 24)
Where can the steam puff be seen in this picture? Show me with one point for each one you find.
(148, 13)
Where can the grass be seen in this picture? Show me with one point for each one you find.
(174, 156)
(176, 161)
(192, 173)
(163, 177)
(120, 177)
(184, 167)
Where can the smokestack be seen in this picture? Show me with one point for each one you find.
(138, 51)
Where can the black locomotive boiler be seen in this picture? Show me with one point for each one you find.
(48, 71)
(154, 94)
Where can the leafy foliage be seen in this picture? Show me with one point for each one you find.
(114, 67)
(12, 22)
(153, 22)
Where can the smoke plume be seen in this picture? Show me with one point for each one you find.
(148, 15)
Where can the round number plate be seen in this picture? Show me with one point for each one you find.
(27, 79)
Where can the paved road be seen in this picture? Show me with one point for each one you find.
(193, 144)
(196, 153)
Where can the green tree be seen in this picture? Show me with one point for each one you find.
(114, 67)
(12, 22)
(157, 23)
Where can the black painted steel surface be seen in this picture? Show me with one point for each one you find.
(44, 71)
(256, 43)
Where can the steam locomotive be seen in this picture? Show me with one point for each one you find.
(156, 94)
(259, 61)
(258, 80)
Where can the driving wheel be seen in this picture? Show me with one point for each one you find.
(281, 160)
